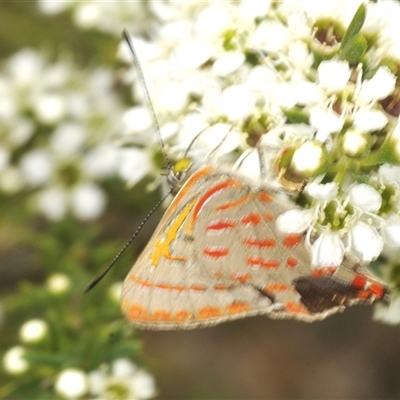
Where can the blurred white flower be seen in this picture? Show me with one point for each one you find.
(71, 383)
(33, 331)
(14, 362)
(58, 283)
(389, 314)
(124, 379)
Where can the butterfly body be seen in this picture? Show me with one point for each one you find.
(217, 255)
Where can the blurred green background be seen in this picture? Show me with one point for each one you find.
(346, 356)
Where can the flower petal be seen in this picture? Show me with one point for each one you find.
(321, 191)
(391, 231)
(365, 197)
(328, 250)
(366, 240)
(294, 221)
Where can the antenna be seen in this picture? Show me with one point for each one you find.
(129, 42)
(95, 281)
(98, 278)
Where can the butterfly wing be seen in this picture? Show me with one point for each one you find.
(216, 255)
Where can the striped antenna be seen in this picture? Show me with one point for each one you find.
(129, 42)
(95, 281)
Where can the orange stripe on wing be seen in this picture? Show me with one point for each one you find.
(261, 262)
(262, 243)
(233, 204)
(209, 312)
(216, 251)
(292, 240)
(211, 192)
(251, 219)
(185, 188)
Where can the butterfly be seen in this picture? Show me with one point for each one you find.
(217, 255)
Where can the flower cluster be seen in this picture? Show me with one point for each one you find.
(56, 127)
(123, 380)
(310, 87)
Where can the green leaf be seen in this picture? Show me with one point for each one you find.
(355, 26)
(354, 49)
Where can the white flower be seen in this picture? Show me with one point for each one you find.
(58, 283)
(115, 291)
(326, 122)
(369, 120)
(378, 87)
(295, 221)
(37, 167)
(308, 157)
(123, 379)
(366, 240)
(334, 75)
(71, 383)
(53, 203)
(68, 139)
(14, 362)
(49, 108)
(143, 385)
(322, 192)
(391, 231)
(88, 201)
(227, 63)
(354, 142)
(389, 314)
(328, 250)
(33, 331)
(134, 165)
(365, 197)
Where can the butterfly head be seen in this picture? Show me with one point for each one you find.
(178, 174)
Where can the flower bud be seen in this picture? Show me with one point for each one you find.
(58, 283)
(14, 362)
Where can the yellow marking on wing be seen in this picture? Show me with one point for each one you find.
(163, 242)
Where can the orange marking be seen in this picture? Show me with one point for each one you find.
(254, 242)
(162, 285)
(197, 288)
(295, 308)
(260, 262)
(208, 312)
(182, 316)
(216, 251)
(368, 287)
(161, 315)
(220, 287)
(175, 258)
(221, 225)
(265, 197)
(138, 313)
(292, 240)
(179, 288)
(211, 192)
(144, 282)
(218, 274)
(237, 307)
(269, 216)
(275, 287)
(186, 187)
(377, 289)
(323, 271)
(291, 262)
(233, 204)
(241, 277)
(251, 219)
